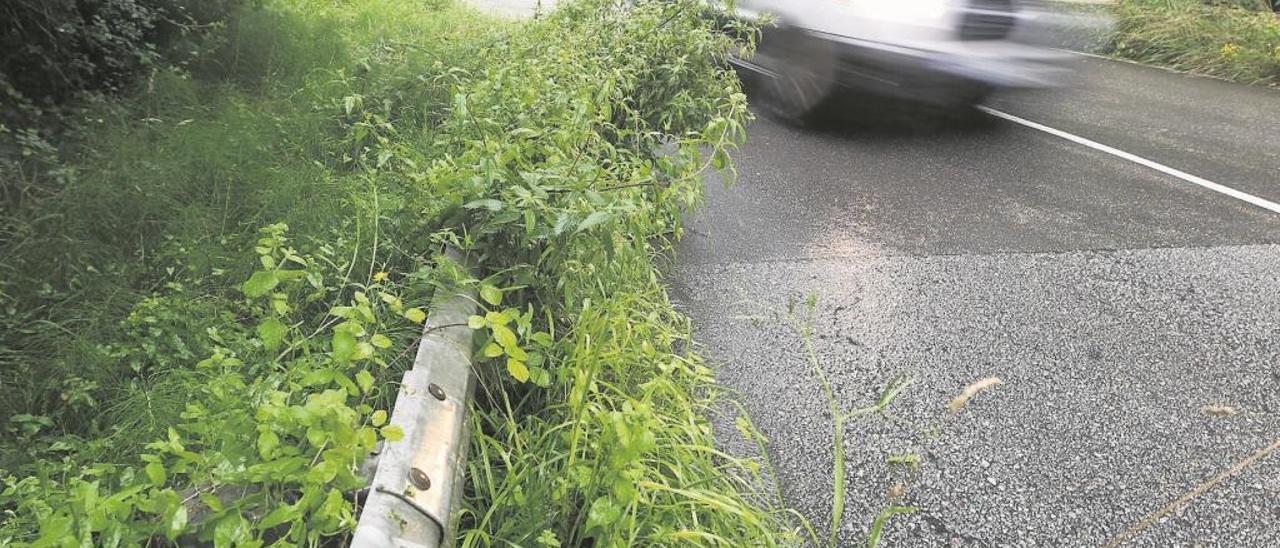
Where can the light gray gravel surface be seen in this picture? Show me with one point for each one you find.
(1114, 303)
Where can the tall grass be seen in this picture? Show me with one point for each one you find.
(1216, 39)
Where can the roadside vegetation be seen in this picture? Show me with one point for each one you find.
(1238, 40)
(213, 269)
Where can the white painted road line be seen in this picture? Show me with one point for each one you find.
(1221, 189)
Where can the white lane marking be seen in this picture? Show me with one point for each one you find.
(1221, 189)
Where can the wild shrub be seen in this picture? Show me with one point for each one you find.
(56, 49)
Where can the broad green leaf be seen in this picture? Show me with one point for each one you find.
(392, 432)
(380, 341)
(280, 303)
(505, 337)
(379, 418)
(282, 513)
(516, 352)
(542, 338)
(346, 383)
(720, 159)
(540, 376)
(365, 381)
(492, 350)
(365, 313)
(489, 204)
(317, 436)
(260, 283)
(177, 522)
(344, 345)
(476, 322)
(212, 502)
(491, 295)
(364, 351)
(593, 220)
(232, 530)
(603, 512)
(415, 315)
(518, 370)
(267, 443)
(272, 332)
(368, 438)
(156, 473)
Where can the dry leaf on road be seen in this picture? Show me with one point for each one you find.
(897, 491)
(1217, 410)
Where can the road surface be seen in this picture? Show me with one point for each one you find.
(1113, 300)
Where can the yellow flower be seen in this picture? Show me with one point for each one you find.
(379, 277)
(1230, 49)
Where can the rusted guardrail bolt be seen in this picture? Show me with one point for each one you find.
(436, 391)
(419, 479)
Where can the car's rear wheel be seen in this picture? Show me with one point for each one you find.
(803, 74)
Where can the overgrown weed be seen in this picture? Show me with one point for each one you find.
(803, 321)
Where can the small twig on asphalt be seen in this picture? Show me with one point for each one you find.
(1191, 495)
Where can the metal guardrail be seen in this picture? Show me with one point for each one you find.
(418, 480)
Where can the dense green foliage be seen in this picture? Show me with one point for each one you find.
(56, 49)
(56, 56)
(1238, 40)
(602, 120)
(203, 321)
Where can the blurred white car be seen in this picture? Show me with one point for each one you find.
(943, 52)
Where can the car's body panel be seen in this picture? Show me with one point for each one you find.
(937, 51)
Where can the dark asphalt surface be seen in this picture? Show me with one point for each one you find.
(1114, 302)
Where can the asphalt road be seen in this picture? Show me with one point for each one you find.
(1114, 302)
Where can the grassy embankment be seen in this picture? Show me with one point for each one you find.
(1238, 40)
(207, 297)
